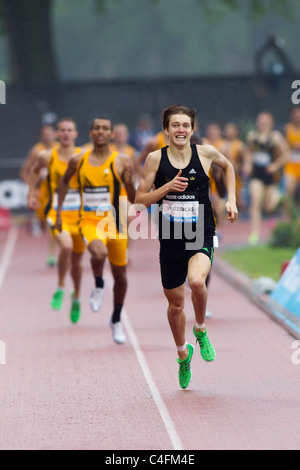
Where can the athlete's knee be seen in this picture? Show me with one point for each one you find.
(197, 284)
(175, 308)
(98, 251)
(65, 251)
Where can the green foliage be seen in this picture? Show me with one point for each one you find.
(215, 9)
(259, 261)
(286, 234)
(260, 8)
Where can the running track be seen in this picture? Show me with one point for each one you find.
(66, 386)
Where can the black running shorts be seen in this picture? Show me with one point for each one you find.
(174, 259)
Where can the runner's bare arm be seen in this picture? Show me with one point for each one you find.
(281, 153)
(63, 186)
(214, 156)
(29, 161)
(144, 193)
(34, 178)
(125, 168)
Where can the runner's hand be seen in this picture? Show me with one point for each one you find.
(32, 200)
(179, 183)
(232, 212)
(58, 223)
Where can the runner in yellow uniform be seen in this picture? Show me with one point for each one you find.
(120, 144)
(292, 167)
(47, 142)
(217, 189)
(235, 150)
(69, 239)
(101, 174)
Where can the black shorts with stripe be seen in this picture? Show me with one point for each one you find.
(174, 259)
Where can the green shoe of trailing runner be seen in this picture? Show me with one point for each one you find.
(185, 373)
(206, 348)
(51, 261)
(75, 310)
(57, 299)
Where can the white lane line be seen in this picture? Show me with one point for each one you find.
(169, 425)
(165, 416)
(8, 252)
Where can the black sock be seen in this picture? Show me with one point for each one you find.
(116, 316)
(99, 282)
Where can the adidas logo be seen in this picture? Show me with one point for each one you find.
(193, 172)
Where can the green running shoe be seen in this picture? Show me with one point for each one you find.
(75, 310)
(185, 373)
(51, 261)
(206, 348)
(57, 299)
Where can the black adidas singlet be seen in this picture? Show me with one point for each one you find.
(181, 212)
(263, 155)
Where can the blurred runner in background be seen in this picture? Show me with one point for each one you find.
(47, 141)
(267, 154)
(71, 244)
(292, 167)
(101, 174)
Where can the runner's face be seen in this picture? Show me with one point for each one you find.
(101, 132)
(66, 133)
(180, 129)
(48, 135)
(264, 122)
(296, 116)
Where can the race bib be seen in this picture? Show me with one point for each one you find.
(181, 208)
(262, 159)
(71, 202)
(96, 199)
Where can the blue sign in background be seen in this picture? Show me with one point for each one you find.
(287, 291)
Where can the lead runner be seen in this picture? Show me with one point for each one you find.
(176, 177)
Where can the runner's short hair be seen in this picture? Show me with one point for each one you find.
(177, 109)
(102, 118)
(66, 118)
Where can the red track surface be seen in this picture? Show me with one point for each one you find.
(67, 386)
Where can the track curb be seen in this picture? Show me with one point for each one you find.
(243, 283)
